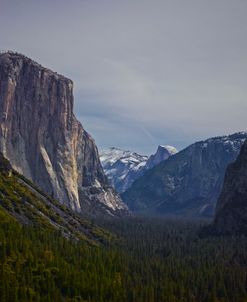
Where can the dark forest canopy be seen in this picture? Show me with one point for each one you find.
(152, 260)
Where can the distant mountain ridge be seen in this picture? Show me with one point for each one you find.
(188, 183)
(123, 167)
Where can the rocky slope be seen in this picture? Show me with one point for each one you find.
(43, 140)
(187, 183)
(231, 210)
(24, 202)
(123, 167)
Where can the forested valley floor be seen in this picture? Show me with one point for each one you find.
(149, 260)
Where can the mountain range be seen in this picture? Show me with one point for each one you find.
(66, 234)
(50, 167)
(188, 183)
(123, 167)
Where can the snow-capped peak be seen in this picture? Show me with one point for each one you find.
(112, 155)
(123, 167)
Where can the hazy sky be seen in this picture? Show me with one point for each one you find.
(145, 72)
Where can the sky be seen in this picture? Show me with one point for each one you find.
(145, 73)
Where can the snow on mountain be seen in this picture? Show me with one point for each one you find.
(189, 183)
(123, 167)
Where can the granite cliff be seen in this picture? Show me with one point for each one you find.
(43, 140)
(162, 153)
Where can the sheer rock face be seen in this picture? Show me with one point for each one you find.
(43, 140)
(231, 210)
(162, 153)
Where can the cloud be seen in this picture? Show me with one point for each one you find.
(145, 72)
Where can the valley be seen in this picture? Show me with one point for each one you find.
(149, 260)
(77, 224)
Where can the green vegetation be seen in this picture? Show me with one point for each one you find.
(49, 253)
(42, 265)
(153, 260)
(30, 206)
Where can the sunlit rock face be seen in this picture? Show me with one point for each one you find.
(43, 140)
